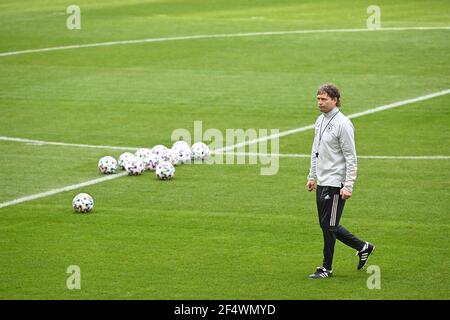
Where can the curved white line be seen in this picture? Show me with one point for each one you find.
(210, 36)
(63, 189)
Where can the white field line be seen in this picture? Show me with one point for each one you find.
(59, 190)
(211, 36)
(242, 144)
(298, 155)
(62, 144)
(282, 155)
(281, 134)
(351, 116)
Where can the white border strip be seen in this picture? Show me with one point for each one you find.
(56, 191)
(211, 36)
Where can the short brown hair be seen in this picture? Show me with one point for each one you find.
(332, 91)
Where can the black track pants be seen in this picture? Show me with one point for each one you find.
(329, 207)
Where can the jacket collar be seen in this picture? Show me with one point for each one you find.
(331, 113)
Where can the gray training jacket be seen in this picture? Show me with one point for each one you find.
(334, 141)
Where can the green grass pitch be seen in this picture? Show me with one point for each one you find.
(220, 231)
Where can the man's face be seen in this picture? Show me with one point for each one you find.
(325, 103)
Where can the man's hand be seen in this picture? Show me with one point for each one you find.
(310, 185)
(345, 194)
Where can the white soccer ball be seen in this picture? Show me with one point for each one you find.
(165, 170)
(125, 157)
(143, 152)
(199, 151)
(159, 149)
(151, 161)
(107, 165)
(180, 145)
(182, 155)
(83, 203)
(182, 152)
(169, 155)
(135, 166)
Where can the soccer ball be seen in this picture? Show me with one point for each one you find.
(169, 155)
(151, 161)
(83, 203)
(165, 170)
(159, 149)
(182, 156)
(125, 157)
(135, 166)
(143, 152)
(180, 145)
(147, 156)
(107, 165)
(182, 152)
(199, 151)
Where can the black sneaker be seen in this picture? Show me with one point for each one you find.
(321, 273)
(364, 254)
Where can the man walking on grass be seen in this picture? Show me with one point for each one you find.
(333, 167)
